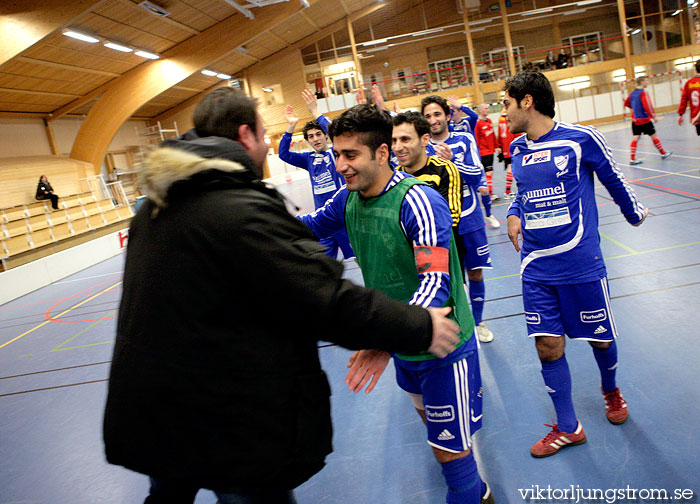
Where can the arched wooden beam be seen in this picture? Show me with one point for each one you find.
(132, 90)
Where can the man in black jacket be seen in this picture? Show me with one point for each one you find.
(215, 381)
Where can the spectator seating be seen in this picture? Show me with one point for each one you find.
(34, 230)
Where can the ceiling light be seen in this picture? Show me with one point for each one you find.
(223, 76)
(474, 30)
(153, 8)
(267, 90)
(537, 11)
(634, 32)
(376, 49)
(118, 47)
(677, 12)
(375, 42)
(575, 11)
(480, 21)
(80, 36)
(426, 32)
(587, 2)
(209, 73)
(242, 49)
(146, 55)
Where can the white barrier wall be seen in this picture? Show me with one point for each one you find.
(24, 279)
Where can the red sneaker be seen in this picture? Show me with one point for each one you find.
(615, 407)
(556, 439)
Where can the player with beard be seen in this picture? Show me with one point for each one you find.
(472, 244)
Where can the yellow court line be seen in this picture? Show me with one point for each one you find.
(62, 313)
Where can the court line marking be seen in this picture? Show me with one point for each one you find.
(646, 168)
(60, 314)
(614, 257)
(54, 370)
(79, 294)
(58, 348)
(118, 273)
(54, 387)
(619, 244)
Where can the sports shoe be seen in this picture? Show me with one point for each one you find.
(509, 196)
(667, 155)
(493, 221)
(615, 407)
(495, 197)
(487, 498)
(636, 162)
(556, 440)
(484, 333)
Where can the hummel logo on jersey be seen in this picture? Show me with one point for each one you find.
(532, 318)
(600, 330)
(537, 157)
(445, 436)
(550, 389)
(516, 151)
(478, 299)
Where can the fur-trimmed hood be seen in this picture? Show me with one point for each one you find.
(182, 158)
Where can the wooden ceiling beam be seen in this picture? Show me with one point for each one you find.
(126, 94)
(33, 92)
(166, 20)
(63, 66)
(23, 24)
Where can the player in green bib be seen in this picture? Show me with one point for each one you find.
(401, 231)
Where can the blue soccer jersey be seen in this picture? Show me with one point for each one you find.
(465, 155)
(556, 202)
(325, 181)
(467, 123)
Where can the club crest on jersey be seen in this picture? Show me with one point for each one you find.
(537, 157)
(561, 161)
(439, 413)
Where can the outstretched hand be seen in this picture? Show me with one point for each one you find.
(445, 332)
(514, 229)
(454, 102)
(365, 365)
(290, 116)
(311, 102)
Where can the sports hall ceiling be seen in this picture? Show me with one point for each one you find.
(47, 74)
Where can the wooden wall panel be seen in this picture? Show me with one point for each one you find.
(19, 177)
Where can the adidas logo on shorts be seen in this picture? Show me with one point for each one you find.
(600, 330)
(445, 435)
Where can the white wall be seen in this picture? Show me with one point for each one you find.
(27, 137)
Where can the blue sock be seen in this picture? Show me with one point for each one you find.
(607, 363)
(464, 485)
(557, 378)
(486, 200)
(477, 293)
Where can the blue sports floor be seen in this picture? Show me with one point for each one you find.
(56, 343)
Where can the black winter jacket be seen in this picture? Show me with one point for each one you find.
(215, 378)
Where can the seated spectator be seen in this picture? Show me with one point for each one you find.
(551, 62)
(562, 59)
(45, 191)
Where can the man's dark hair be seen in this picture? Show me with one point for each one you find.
(309, 126)
(372, 125)
(418, 120)
(697, 66)
(640, 79)
(223, 111)
(534, 84)
(435, 99)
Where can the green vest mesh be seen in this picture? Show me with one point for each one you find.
(387, 259)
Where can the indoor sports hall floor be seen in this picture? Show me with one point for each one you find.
(56, 343)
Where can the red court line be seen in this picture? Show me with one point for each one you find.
(47, 314)
(60, 300)
(665, 188)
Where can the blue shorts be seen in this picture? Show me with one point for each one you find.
(473, 249)
(451, 397)
(581, 310)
